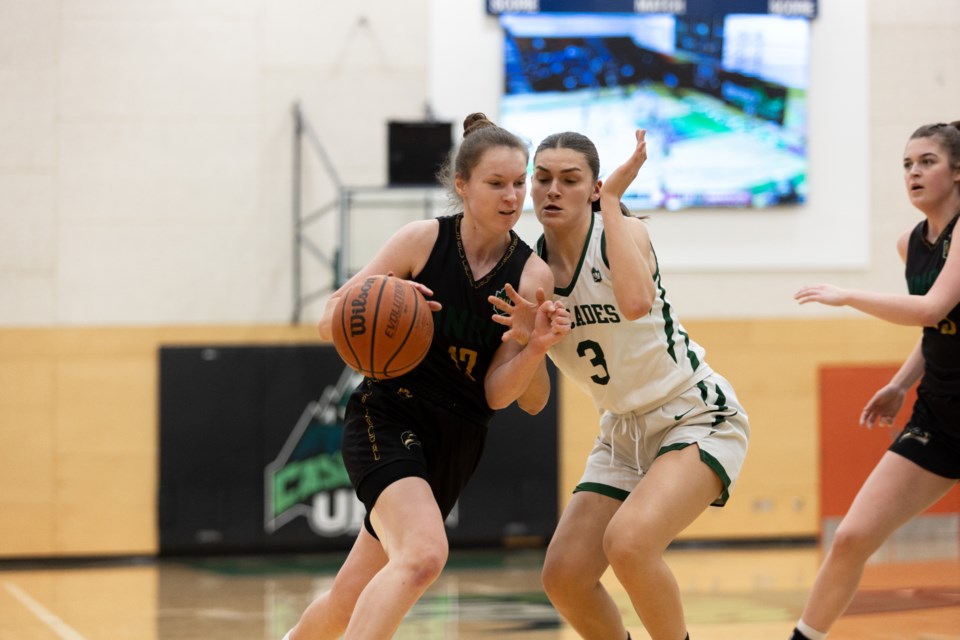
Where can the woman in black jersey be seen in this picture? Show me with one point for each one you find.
(410, 444)
(923, 464)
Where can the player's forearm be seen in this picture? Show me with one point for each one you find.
(534, 399)
(909, 310)
(633, 284)
(325, 324)
(510, 380)
(911, 370)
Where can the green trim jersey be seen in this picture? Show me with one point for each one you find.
(625, 366)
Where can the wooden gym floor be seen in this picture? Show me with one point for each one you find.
(732, 593)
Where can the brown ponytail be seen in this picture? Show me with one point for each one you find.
(479, 135)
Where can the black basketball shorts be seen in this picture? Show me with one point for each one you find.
(390, 433)
(931, 438)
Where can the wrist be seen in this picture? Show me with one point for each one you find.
(610, 210)
(537, 347)
(898, 387)
(610, 200)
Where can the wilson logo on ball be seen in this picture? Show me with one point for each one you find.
(358, 310)
(382, 327)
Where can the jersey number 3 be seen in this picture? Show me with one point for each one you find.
(590, 347)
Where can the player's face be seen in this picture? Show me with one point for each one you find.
(929, 178)
(563, 187)
(497, 186)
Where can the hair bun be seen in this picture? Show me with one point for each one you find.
(475, 122)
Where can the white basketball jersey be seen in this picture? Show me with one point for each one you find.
(624, 365)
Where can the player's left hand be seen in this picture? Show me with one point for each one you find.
(546, 319)
(518, 314)
(617, 182)
(823, 293)
(883, 407)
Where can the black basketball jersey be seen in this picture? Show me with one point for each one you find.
(464, 336)
(941, 344)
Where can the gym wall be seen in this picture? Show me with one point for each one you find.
(145, 197)
(79, 448)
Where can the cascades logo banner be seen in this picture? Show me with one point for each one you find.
(308, 479)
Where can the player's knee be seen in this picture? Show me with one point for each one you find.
(558, 577)
(853, 543)
(424, 564)
(618, 550)
(627, 547)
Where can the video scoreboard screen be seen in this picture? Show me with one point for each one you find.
(721, 95)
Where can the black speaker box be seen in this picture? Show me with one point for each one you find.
(416, 151)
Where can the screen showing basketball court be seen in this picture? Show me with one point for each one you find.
(722, 98)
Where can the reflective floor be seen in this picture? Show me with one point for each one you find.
(729, 593)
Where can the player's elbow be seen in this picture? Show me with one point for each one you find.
(325, 324)
(632, 314)
(498, 399)
(635, 309)
(635, 304)
(496, 404)
(931, 317)
(532, 407)
(325, 331)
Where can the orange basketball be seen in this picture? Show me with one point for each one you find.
(382, 327)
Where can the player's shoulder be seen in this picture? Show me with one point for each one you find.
(636, 228)
(419, 232)
(411, 245)
(536, 274)
(903, 242)
(637, 225)
(431, 225)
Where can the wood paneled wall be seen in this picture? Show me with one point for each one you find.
(78, 434)
(78, 426)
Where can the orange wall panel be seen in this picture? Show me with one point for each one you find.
(848, 452)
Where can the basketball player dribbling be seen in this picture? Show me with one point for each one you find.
(411, 443)
(923, 463)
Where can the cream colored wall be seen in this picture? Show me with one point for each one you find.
(78, 444)
(145, 147)
(146, 150)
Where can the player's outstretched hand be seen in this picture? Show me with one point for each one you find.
(541, 319)
(617, 182)
(516, 313)
(883, 407)
(822, 293)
